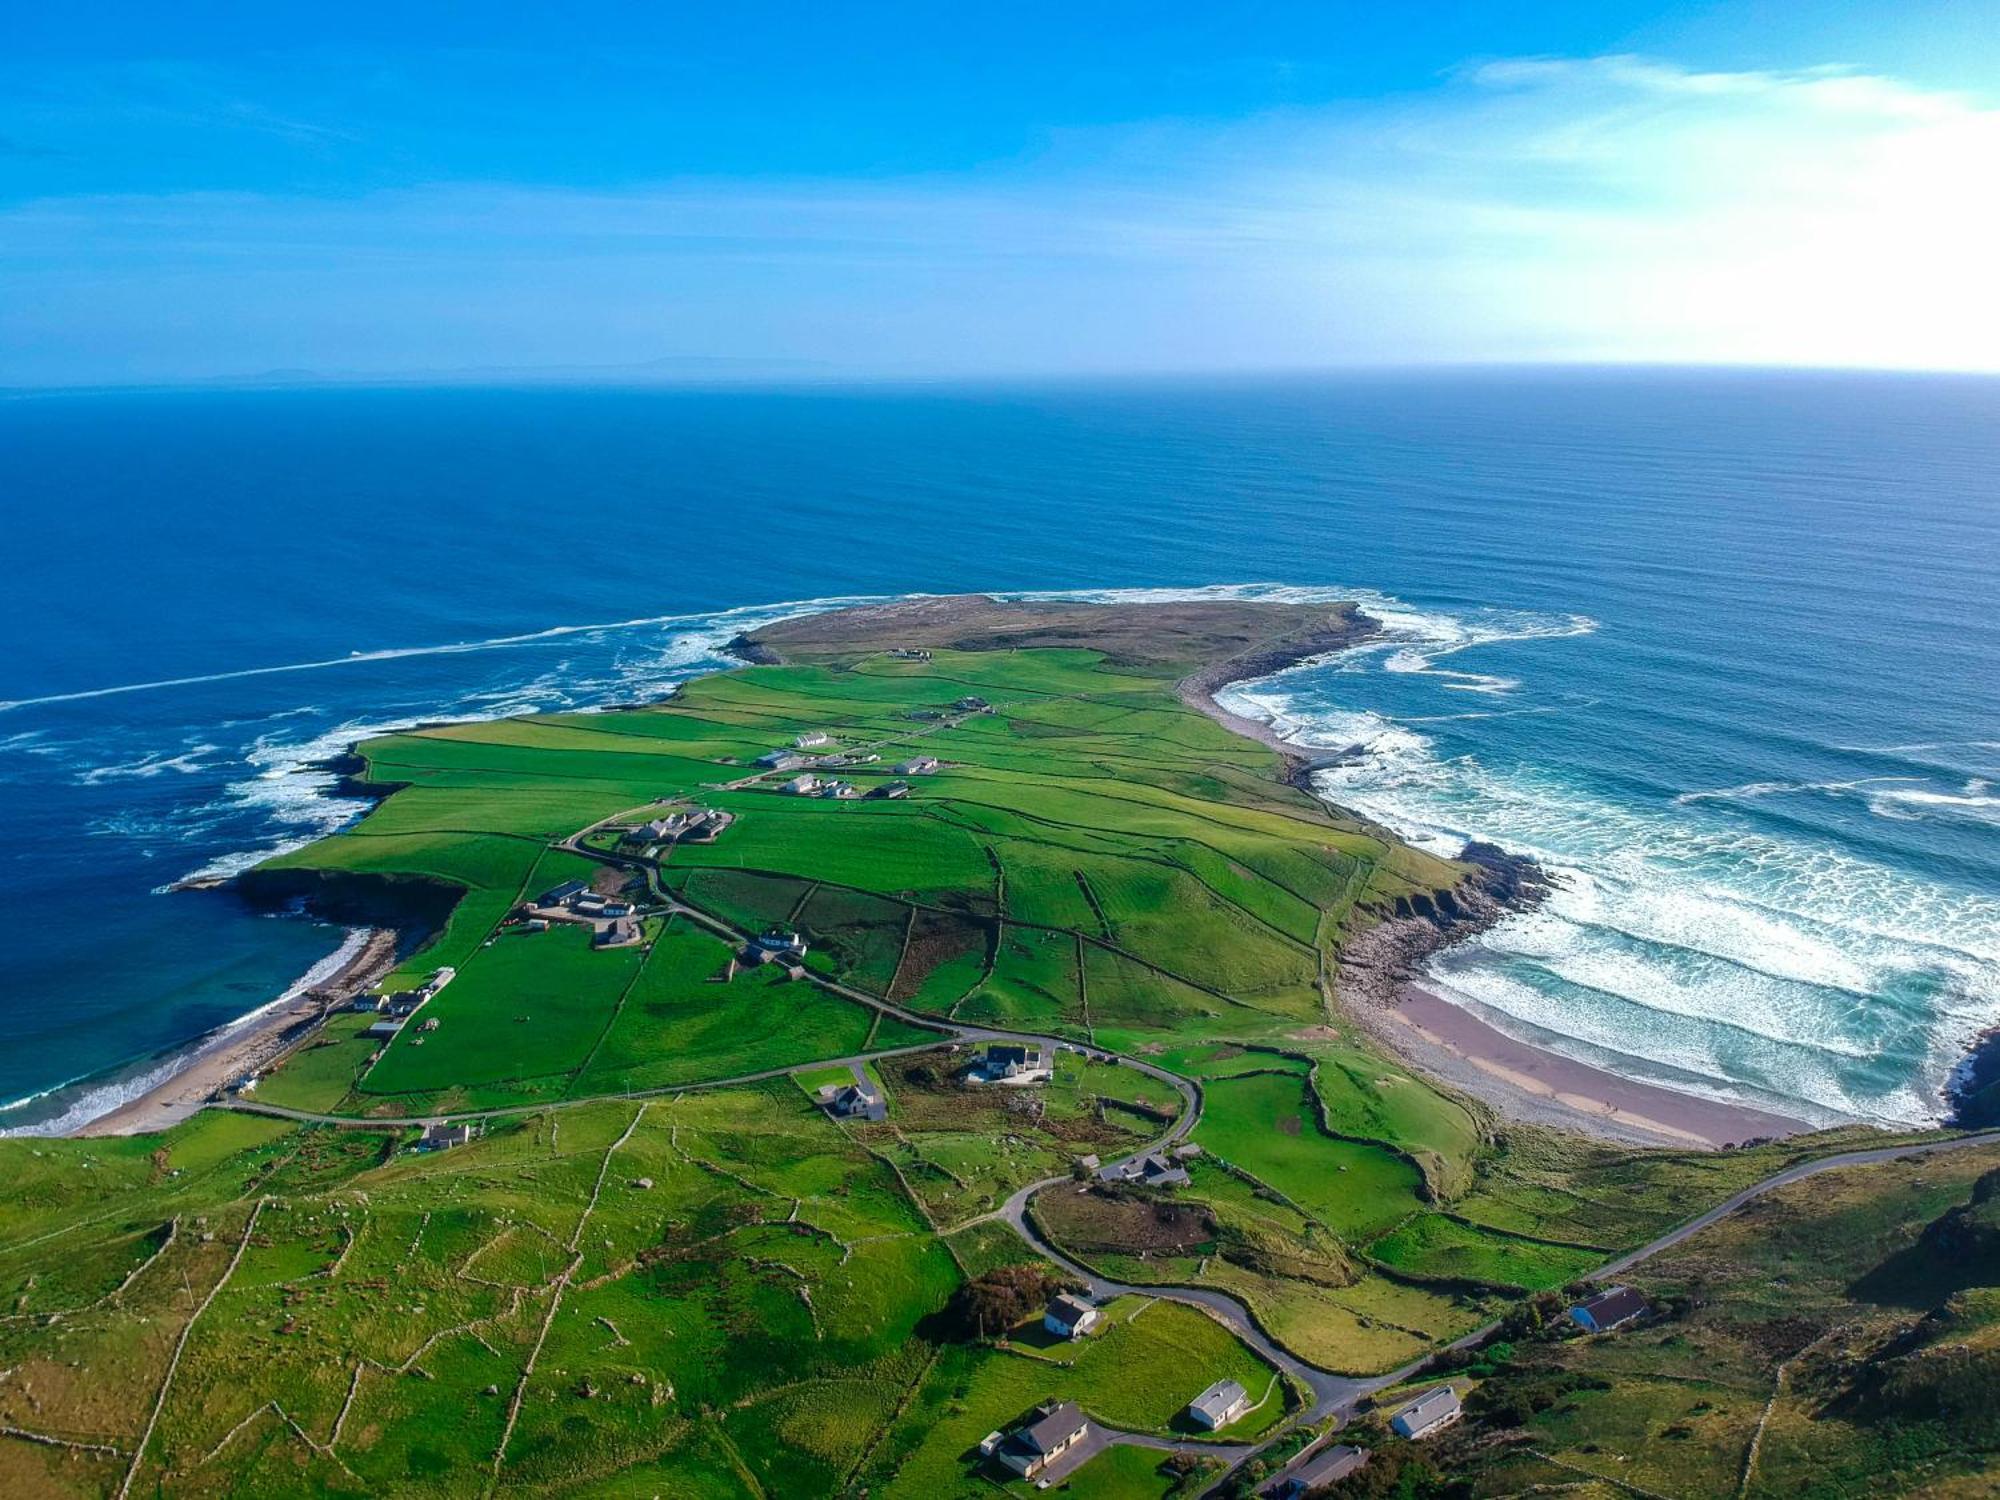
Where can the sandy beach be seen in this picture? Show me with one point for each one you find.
(1528, 1082)
(1458, 1047)
(251, 1045)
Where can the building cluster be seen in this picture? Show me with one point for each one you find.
(1014, 1063)
(909, 653)
(859, 1100)
(779, 945)
(1154, 1169)
(809, 785)
(613, 920)
(438, 1136)
(1057, 1428)
(692, 825)
(396, 1008)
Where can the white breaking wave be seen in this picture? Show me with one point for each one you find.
(90, 1100)
(1746, 965)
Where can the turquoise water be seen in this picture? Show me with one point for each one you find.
(1718, 648)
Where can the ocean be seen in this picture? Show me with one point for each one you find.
(1718, 648)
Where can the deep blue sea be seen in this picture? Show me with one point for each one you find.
(1721, 649)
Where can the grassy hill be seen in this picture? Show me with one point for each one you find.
(662, 1268)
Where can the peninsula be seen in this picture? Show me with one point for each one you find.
(944, 1054)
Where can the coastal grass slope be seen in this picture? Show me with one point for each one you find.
(660, 1265)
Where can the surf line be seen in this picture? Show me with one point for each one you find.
(397, 653)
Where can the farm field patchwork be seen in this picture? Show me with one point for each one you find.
(669, 1259)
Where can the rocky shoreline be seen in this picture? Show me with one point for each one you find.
(1381, 968)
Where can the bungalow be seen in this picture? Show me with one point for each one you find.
(1016, 1062)
(621, 933)
(866, 758)
(857, 1101)
(779, 942)
(1431, 1412)
(922, 765)
(569, 890)
(405, 1002)
(892, 789)
(1219, 1405)
(1150, 1170)
(972, 705)
(615, 909)
(909, 653)
(1611, 1308)
(842, 790)
(781, 760)
(812, 739)
(801, 786)
(1329, 1466)
(247, 1084)
(439, 1136)
(439, 979)
(1057, 1428)
(1070, 1317)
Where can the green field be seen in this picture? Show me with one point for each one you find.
(662, 1268)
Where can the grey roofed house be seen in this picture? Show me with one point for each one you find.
(859, 1101)
(779, 940)
(569, 890)
(619, 933)
(1057, 1427)
(781, 760)
(1069, 1316)
(1150, 1170)
(1012, 1059)
(893, 789)
(441, 1137)
(921, 765)
(1328, 1466)
(1611, 1308)
(1219, 1405)
(1434, 1410)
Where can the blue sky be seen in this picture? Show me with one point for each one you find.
(204, 192)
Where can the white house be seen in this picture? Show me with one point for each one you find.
(1070, 1317)
(1431, 1412)
(812, 739)
(1057, 1428)
(801, 786)
(922, 765)
(1219, 1405)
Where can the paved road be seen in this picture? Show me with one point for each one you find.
(1333, 1394)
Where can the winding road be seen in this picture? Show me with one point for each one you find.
(1333, 1394)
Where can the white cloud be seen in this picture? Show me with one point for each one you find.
(1618, 208)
